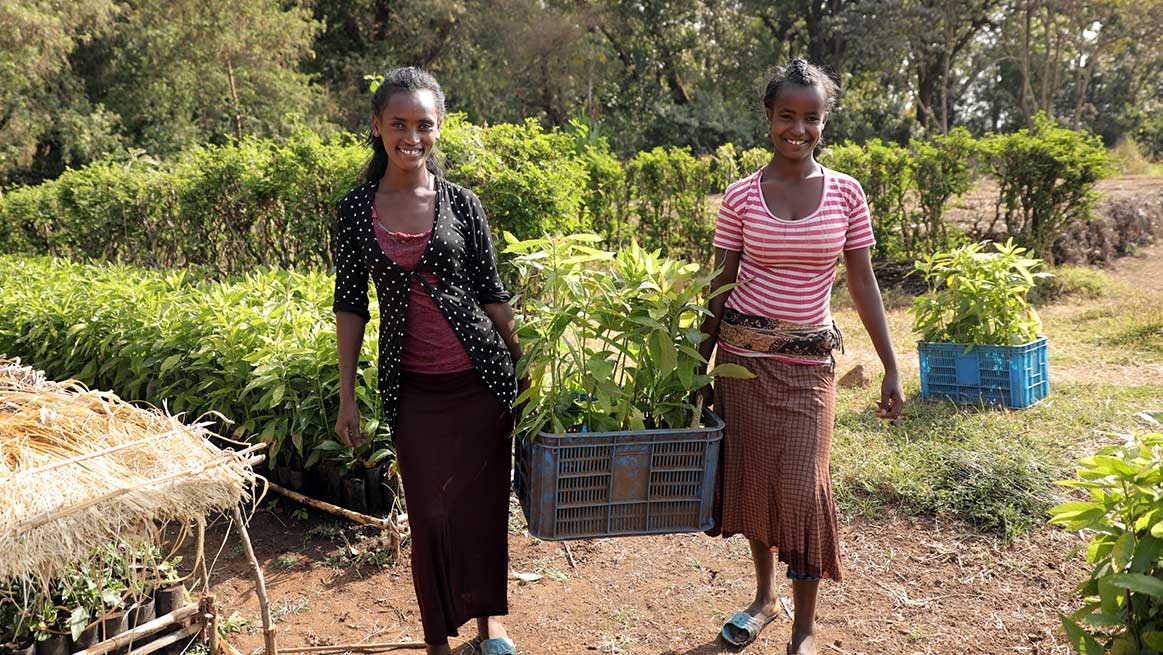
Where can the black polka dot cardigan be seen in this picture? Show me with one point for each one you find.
(460, 254)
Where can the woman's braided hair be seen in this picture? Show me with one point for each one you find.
(802, 73)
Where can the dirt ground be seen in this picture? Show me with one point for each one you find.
(910, 588)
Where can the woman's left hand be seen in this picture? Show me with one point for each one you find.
(892, 398)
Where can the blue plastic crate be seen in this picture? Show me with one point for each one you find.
(1009, 376)
(611, 484)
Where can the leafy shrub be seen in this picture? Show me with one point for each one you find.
(941, 172)
(725, 169)
(884, 170)
(259, 350)
(978, 297)
(611, 340)
(1046, 178)
(226, 208)
(528, 179)
(1128, 159)
(1123, 596)
(259, 203)
(606, 193)
(668, 188)
(753, 159)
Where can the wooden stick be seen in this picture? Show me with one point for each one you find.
(786, 608)
(569, 556)
(200, 554)
(384, 524)
(143, 630)
(49, 517)
(339, 648)
(260, 585)
(698, 419)
(166, 640)
(210, 617)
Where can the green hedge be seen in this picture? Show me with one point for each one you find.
(259, 349)
(1046, 178)
(258, 203)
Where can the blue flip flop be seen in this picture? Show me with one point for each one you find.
(749, 625)
(503, 646)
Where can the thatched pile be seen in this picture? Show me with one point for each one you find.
(81, 468)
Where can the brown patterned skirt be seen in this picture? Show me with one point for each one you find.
(452, 441)
(775, 483)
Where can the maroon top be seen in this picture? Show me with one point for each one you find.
(430, 345)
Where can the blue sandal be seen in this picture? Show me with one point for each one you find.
(749, 625)
(503, 646)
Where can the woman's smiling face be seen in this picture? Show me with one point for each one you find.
(797, 117)
(408, 126)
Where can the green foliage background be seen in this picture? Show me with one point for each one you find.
(226, 209)
(80, 81)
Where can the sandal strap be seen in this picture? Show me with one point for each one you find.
(502, 646)
(750, 625)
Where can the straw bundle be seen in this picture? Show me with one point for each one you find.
(81, 468)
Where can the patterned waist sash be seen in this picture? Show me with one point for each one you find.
(773, 336)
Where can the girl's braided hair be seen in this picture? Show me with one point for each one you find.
(802, 73)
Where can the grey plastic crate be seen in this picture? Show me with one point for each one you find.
(608, 484)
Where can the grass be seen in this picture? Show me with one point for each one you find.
(1072, 282)
(994, 469)
(284, 608)
(286, 562)
(1144, 331)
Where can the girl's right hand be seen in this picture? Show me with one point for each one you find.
(347, 425)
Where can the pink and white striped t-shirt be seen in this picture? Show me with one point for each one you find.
(787, 267)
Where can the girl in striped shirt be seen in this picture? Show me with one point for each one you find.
(779, 234)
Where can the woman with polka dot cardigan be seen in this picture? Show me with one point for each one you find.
(447, 350)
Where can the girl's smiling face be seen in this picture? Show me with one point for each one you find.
(408, 126)
(797, 117)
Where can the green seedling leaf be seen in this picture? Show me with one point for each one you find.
(78, 620)
(1083, 643)
(667, 354)
(731, 371)
(1123, 550)
(1137, 582)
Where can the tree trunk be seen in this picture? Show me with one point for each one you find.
(234, 99)
(1027, 90)
(826, 45)
(928, 74)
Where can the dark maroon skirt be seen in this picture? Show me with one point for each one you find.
(453, 444)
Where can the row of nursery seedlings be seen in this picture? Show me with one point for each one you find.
(256, 354)
(119, 588)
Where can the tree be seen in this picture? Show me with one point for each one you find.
(181, 72)
(46, 121)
